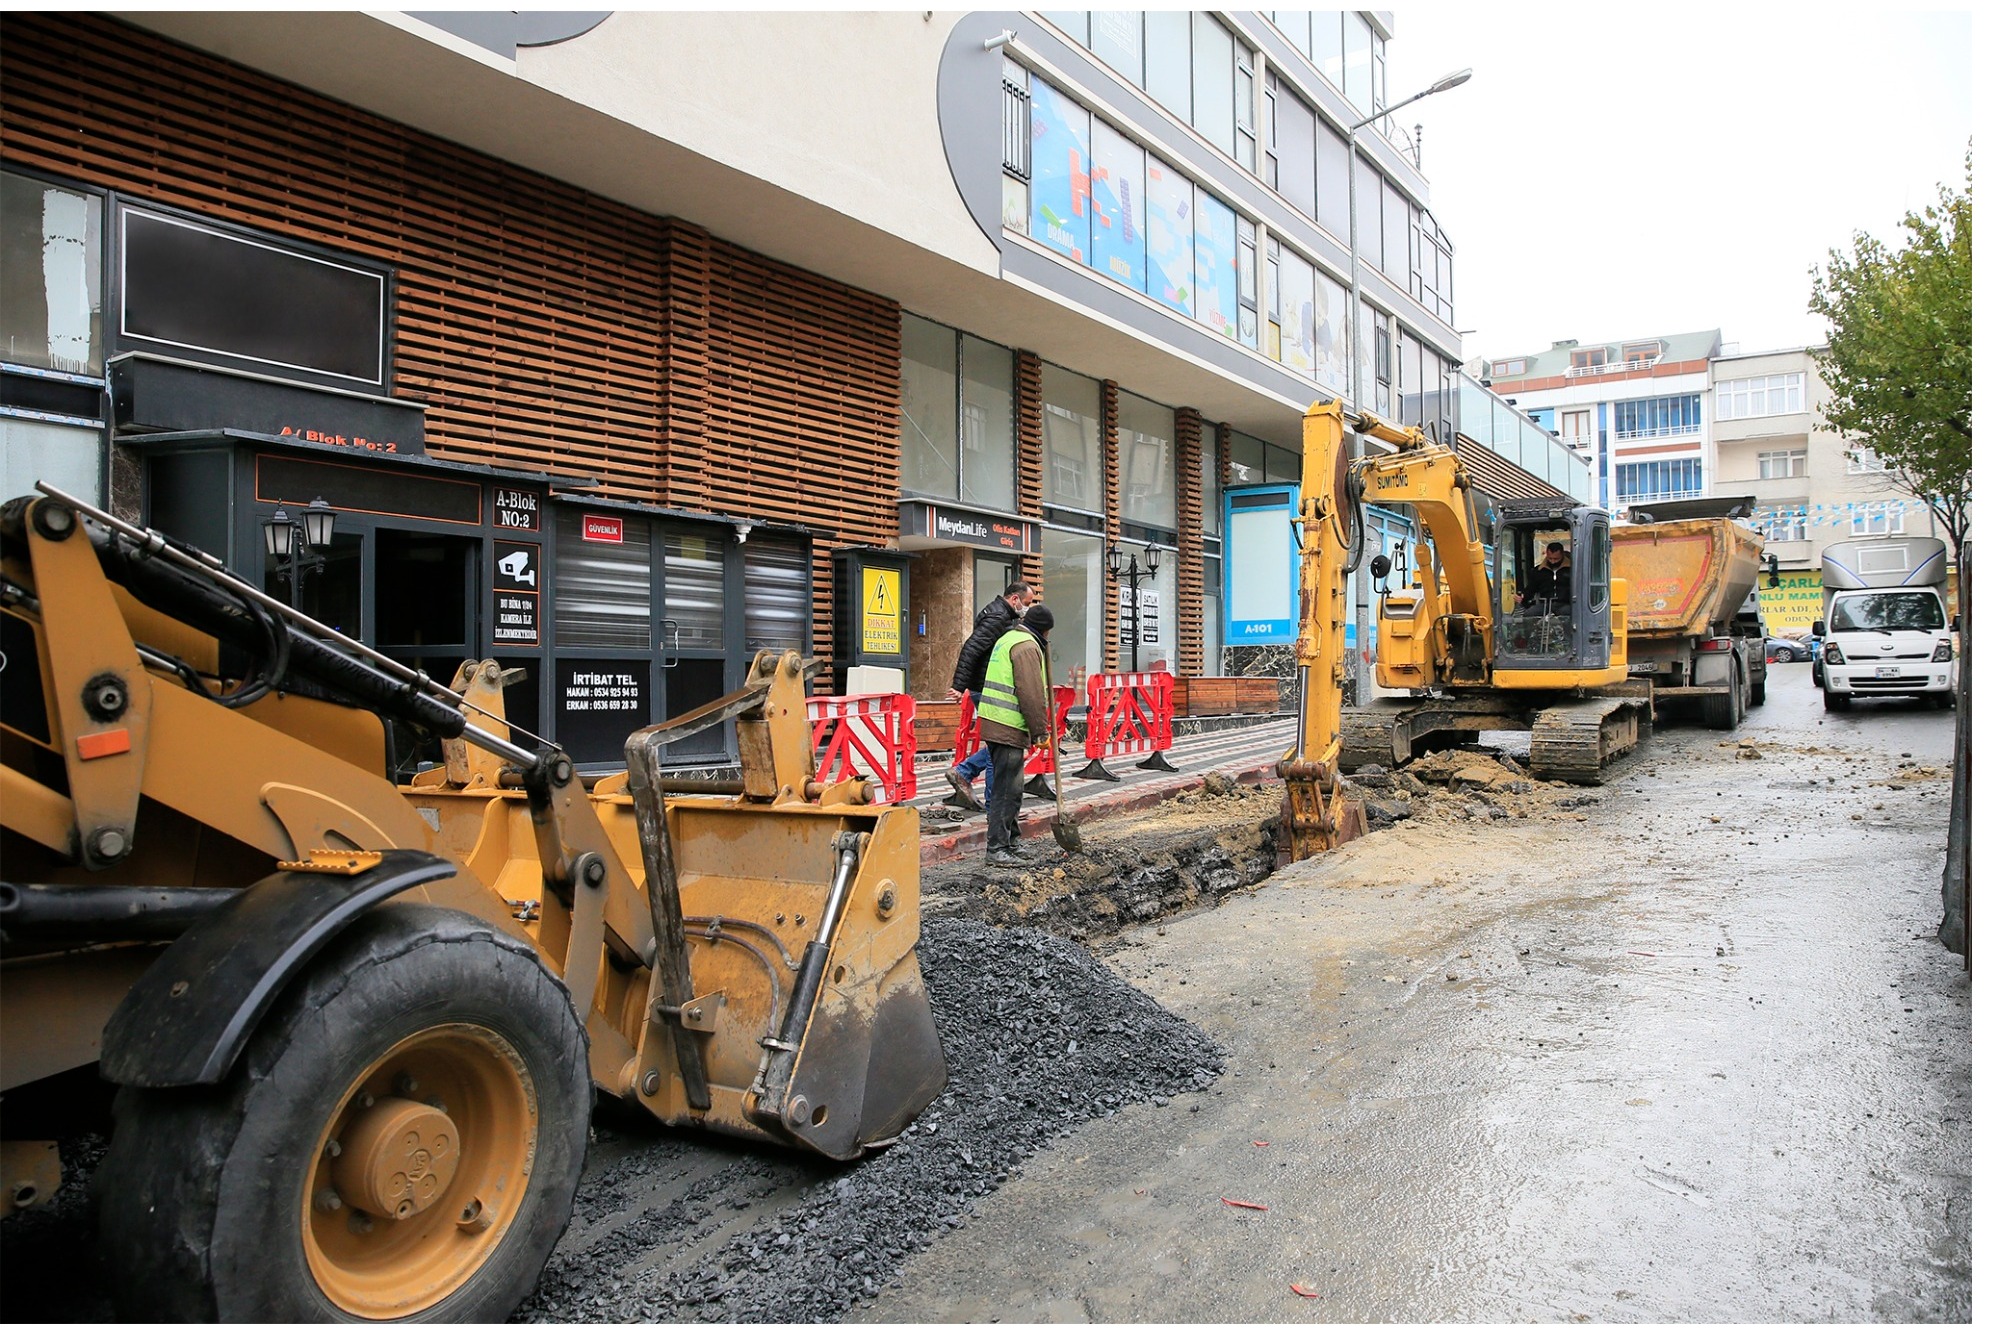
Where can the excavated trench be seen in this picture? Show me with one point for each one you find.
(1038, 1036)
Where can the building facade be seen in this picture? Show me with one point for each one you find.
(607, 335)
(1813, 487)
(1634, 410)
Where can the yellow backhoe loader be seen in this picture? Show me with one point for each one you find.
(1483, 639)
(355, 1026)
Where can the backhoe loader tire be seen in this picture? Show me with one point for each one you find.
(427, 1066)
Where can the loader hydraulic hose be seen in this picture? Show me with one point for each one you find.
(210, 608)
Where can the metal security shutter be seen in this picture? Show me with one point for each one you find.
(777, 596)
(603, 592)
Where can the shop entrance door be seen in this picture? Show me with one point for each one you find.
(424, 597)
(991, 577)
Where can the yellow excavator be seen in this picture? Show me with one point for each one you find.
(1482, 640)
(355, 1026)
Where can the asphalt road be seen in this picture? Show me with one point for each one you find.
(1694, 1055)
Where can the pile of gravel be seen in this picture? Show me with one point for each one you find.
(1038, 1035)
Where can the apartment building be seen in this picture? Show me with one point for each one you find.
(1634, 410)
(1813, 487)
(622, 345)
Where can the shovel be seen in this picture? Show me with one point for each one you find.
(1067, 833)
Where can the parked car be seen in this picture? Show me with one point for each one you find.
(1785, 649)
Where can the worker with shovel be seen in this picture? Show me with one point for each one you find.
(1013, 716)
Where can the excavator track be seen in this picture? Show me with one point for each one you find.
(1575, 740)
(1374, 734)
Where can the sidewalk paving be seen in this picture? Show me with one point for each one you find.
(1247, 754)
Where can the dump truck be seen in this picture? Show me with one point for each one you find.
(356, 1027)
(1690, 568)
(1884, 622)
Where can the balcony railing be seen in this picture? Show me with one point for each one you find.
(1661, 431)
(1599, 370)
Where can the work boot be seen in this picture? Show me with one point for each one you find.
(1005, 857)
(961, 791)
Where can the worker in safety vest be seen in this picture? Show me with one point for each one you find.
(1013, 716)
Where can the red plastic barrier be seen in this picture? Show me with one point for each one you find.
(1129, 713)
(870, 735)
(1038, 762)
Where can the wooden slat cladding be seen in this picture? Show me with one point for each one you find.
(804, 379)
(528, 313)
(1030, 457)
(1187, 520)
(1114, 658)
(542, 326)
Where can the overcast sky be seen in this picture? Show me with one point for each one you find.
(1613, 172)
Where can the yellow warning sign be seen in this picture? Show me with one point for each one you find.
(881, 611)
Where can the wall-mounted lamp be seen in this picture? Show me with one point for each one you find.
(995, 43)
(295, 544)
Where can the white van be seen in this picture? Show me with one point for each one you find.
(1886, 631)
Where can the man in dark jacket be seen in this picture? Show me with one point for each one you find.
(1013, 716)
(992, 623)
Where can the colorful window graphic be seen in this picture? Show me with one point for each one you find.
(1170, 257)
(1059, 184)
(1214, 264)
(1117, 206)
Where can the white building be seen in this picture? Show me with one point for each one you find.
(1636, 410)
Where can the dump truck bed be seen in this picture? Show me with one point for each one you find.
(1684, 578)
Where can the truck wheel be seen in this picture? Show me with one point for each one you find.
(1726, 710)
(1836, 700)
(402, 1138)
(1757, 692)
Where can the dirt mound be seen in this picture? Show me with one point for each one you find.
(1187, 852)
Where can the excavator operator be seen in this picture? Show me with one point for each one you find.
(1548, 580)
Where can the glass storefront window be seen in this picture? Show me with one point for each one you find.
(1281, 465)
(1073, 584)
(1211, 617)
(930, 405)
(1145, 462)
(987, 429)
(1210, 517)
(1073, 438)
(1246, 459)
(70, 458)
(958, 416)
(51, 277)
(1153, 622)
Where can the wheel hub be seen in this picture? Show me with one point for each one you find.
(396, 1157)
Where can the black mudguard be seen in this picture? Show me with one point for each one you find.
(186, 1020)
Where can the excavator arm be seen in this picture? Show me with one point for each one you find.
(1319, 815)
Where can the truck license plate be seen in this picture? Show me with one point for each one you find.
(1887, 671)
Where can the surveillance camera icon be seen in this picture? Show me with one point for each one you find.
(515, 565)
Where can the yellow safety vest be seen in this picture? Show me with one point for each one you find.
(998, 701)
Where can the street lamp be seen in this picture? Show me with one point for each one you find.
(1362, 690)
(294, 545)
(1132, 573)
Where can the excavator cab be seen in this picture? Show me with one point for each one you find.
(1552, 578)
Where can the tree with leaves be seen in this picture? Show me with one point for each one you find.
(1898, 358)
